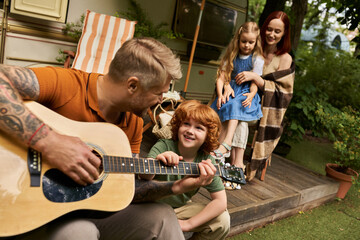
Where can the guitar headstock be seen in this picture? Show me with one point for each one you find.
(231, 173)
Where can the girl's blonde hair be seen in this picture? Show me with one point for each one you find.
(233, 49)
(205, 115)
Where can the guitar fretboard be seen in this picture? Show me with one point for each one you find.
(149, 166)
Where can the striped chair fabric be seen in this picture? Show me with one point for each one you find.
(102, 36)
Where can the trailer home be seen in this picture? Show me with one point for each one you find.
(32, 35)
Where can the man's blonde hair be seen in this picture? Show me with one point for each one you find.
(147, 59)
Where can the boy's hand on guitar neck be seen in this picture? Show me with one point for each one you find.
(207, 173)
(71, 156)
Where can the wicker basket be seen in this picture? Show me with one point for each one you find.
(163, 131)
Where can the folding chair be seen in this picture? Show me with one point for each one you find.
(102, 36)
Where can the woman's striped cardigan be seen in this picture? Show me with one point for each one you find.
(277, 94)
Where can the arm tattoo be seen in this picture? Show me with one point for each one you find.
(17, 83)
(33, 124)
(28, 84)
(147, 191)
(12, 122)
(22, 79)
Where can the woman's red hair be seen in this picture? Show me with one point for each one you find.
(284, 46)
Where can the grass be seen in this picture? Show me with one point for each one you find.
(311, 154)
(339, 219)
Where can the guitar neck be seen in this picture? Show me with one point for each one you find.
(113, 164)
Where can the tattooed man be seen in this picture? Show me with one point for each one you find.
(138, 76)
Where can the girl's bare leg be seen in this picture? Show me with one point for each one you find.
(233, 156)
(227, 134)
(238, 158)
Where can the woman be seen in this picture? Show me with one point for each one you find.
(276, 85)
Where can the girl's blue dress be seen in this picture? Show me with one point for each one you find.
(233, 109)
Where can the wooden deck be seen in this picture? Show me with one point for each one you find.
(287, 189)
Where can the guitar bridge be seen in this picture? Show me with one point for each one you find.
(34, 167)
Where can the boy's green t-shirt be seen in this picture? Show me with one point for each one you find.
(176, 201)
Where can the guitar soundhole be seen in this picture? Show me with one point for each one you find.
(58, 187)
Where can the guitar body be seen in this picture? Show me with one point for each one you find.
(24, 208)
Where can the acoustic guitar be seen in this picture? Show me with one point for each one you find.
(32, 193)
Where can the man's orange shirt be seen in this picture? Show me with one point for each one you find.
(73, 94)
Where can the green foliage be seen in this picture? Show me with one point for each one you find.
(351, 17)
(145, 27)
(334, 73)
(301, 117)
(62, 56)
(326, 78)
(350, 10)
(74, 30)
(255, 9)
(344, 129)
(318, 13)
(345, 12)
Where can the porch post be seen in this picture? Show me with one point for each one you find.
(193, 46)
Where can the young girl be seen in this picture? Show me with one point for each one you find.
(195, 131)
(244, 53)
(276, 84)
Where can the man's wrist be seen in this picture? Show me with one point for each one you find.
(35, 132)
(43, 138)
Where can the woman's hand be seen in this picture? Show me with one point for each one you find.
(228, 91)
(245, 77)
(248, 100)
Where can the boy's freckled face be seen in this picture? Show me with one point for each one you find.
(192, 134)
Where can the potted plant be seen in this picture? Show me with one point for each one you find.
(344, 130)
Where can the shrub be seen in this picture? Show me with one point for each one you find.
(344, 129)
(145, 26)
(301, 117)
(74, 29)
(331, 71)
(324, 77)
